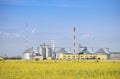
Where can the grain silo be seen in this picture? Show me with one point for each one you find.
(28, 54)
(47, 50)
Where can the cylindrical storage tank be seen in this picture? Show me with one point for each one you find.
(27, 56)
(44, 52)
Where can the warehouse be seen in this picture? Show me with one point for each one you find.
(100, 54)
(82, 56)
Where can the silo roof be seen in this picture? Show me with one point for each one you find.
(86, 51)
(30, 50)
(62, 50)
(101, 51)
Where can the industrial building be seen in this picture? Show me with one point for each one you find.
(48, 51)
(102, 51)
(44, 52)
(83, 54)
(30, 54)
(59, 52)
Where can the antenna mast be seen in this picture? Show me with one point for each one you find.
(26, 36)
(74, 40)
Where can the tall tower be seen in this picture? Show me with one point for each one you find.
(52, 43)
(74, 40)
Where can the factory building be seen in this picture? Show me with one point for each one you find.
(28, 54)
(37, 56)
(82, 56)
(84, 53)
(59, 52)
(47, 51)
(102, 51)
(44, 52)
(31, 54)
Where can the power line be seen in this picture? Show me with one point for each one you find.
(26, 36)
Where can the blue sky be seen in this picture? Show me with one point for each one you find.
(97, 23)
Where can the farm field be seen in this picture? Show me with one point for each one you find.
(59, 69)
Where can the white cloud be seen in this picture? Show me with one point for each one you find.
(86, 36)
(10, 35)
(33, 30)
(5, 35)
(17, 35)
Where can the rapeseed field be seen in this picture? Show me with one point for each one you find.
(60, 69)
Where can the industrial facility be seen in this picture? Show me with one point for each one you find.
(44, 51)
(49, 51)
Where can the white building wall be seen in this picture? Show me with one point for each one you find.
(115, 56)
(40, 50)
(46, 52)
(57, 55)
(52, 44)
(27, 56)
